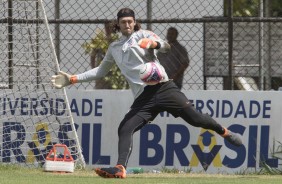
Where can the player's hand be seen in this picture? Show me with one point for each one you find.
(147, 43)
(63, 79)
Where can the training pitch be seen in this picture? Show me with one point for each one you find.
(12, 175)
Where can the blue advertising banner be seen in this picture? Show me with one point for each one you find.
(165, 142)
(173, 143)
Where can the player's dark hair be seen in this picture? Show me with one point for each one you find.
(125, 12)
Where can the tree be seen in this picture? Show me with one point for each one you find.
(276, 8)
(97, 47)
(251, 8)
(243, 8)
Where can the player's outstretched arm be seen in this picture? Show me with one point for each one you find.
(147, 43)
(63, 79)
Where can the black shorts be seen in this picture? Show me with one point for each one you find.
(158, 98)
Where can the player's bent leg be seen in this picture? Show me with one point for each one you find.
(112, 172)
(130, 124)
(197, 119)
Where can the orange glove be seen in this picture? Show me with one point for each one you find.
(147, 43)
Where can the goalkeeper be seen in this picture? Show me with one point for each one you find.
(134, 48)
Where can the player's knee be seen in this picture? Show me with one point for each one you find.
(197, 121)
(121, 131)
(195, 118)
(125, 128)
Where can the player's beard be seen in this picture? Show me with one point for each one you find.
(127, 32)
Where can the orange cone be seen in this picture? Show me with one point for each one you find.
(59, 159)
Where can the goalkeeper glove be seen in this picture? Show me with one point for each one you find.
(147, 43)
(63, 79)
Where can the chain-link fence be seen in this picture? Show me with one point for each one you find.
(225, 49)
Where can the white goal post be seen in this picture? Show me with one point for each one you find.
(34, 115)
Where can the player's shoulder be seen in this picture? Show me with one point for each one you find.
(146, 33)
(116, 42)
(139, 33)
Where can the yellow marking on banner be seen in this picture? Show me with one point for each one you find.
(217, 160)
(39, 126)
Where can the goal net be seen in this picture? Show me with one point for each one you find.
(33, 114)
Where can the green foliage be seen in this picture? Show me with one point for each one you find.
(277, 154)
(243, 8)
(251, 8)
(266, 169)
(26, 176)
(175, 171)
(100, 43)
(276, 8)
(9, 167)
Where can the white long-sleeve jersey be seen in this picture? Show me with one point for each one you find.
(129, 57)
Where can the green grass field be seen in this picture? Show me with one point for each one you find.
(14, 175)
